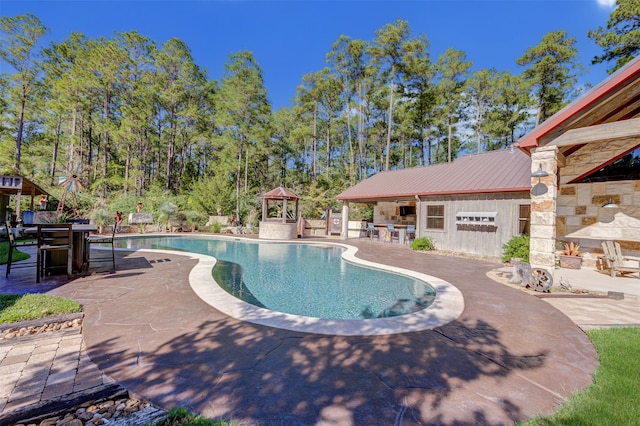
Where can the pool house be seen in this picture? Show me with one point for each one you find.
(474, 204)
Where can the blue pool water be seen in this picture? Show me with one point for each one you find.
(300, 279)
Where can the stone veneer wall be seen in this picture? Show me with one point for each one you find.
(579, 208)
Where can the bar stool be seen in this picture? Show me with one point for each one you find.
(15, 245)
(393, 233)
(102, 239)
(372, 231)
(410, 234)
(53, 237)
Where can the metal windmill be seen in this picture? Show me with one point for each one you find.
(71, 184)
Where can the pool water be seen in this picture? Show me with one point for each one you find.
(301, 279)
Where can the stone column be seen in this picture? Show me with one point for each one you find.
(345, 220)
(284, 210)
(544, 192)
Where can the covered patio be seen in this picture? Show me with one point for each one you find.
(18, 186)
(590, 153)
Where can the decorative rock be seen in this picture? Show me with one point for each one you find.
(72, 422)
(87, 415)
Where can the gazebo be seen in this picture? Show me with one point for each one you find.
(283, 225)
(18, 186)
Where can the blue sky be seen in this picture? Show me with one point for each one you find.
(292, 38)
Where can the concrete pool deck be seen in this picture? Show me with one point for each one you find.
(509, 355)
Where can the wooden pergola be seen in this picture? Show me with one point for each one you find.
(19, 186)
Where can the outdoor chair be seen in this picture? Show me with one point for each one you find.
(102, 239)
(615, 261)
(410, 234)
(372, 231)
(392, 232)
(54, 237)
(15, 245)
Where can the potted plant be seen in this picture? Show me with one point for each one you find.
(570, 257)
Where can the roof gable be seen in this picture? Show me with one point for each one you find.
(616, 98)
(488, 172)
(280, 193)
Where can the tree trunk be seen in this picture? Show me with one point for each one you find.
(449, 136)
(170, 152)
(390, 121)
(56, 145)
(238, 175)
(314, 147)
(23, 106)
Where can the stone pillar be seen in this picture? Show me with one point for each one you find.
(284, 211)
(344, 234)
(544, 195)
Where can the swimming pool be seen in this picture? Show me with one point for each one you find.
(277, 258)
(302, 279)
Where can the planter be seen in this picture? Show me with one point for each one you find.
(570, 262)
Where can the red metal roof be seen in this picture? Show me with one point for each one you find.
(280, 193)
(614, 90)
(489, 172)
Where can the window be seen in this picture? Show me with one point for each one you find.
(524, 216)
(435, 217)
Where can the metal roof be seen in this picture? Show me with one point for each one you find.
(489, 172)
(280, 193)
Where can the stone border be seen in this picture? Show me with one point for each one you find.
(447, 306)
(41, 321)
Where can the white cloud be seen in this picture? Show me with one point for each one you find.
(607, 3)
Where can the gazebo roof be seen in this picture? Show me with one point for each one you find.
(15, 183)
(280, 193)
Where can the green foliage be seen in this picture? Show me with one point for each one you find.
(612, 398)
(4, 254)
(423, 244)
(361, 212)
(517, 247)
(166, 212)
(251, 218)
(18, 307)
(149, 125)
(100, 216)
(216, 227)
(620, 40)
(552, 71)
(181, 416)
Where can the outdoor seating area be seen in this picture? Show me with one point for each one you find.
(60, 248)
(616, 262)
(390, 232)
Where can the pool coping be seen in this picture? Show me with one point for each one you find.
(446, 307)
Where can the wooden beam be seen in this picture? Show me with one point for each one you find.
(600, 133)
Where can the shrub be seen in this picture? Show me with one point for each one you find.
(517, 246)
(423, 244)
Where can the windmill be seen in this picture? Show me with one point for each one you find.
(71, 184)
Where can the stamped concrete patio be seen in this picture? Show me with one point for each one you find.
(508, 357)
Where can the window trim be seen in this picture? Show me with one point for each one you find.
(443, 216)
(527, 220)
